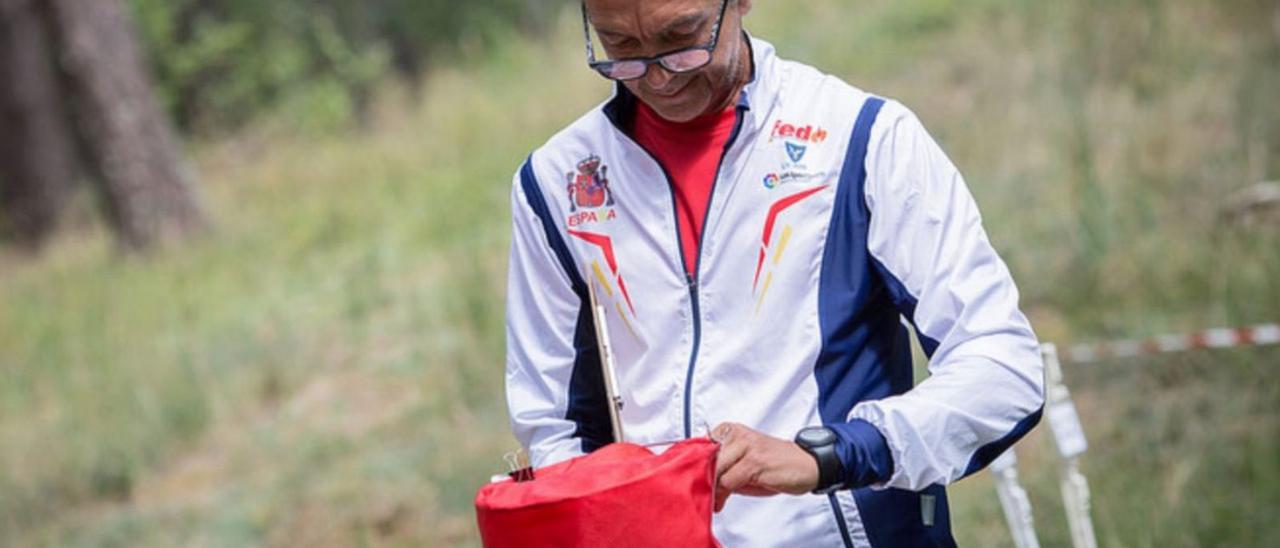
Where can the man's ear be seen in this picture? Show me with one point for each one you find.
(744, 7)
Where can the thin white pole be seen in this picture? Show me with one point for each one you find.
(1068, 436)
(1014, 501)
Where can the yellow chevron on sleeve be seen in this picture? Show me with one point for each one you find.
(625, 321)
(765, 291)
(604, 282)
(782, 245)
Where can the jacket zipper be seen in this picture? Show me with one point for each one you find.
(692, 279)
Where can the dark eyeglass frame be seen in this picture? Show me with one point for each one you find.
(608, 68)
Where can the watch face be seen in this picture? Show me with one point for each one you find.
(816, 436)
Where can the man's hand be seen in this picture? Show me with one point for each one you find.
(755, 464)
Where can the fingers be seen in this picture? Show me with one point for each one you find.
(732, 446)
(723, 431)
(734, 480)
(734, 469)
(737, 477)
(731, 452)
(746, 478)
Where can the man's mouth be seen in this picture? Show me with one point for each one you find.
(672, 93)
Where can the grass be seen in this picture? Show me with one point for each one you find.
(325, 368)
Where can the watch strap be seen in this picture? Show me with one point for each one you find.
(830, 469)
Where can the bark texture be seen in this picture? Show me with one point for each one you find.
(37, 161)
(147, 189)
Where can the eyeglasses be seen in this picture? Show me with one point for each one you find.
(682, 60)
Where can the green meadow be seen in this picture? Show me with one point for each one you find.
(326, 366)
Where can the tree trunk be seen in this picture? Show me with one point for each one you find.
(37, 162)
(146, 186)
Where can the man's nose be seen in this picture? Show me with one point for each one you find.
(657, 77)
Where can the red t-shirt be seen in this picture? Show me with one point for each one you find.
(690, 152)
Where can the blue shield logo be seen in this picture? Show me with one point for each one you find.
(796, 152)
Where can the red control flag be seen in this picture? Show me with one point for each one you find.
(621, 495)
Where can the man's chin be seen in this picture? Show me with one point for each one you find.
(674, 111)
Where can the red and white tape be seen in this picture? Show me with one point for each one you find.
(1258, 335)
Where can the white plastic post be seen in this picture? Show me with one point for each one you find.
(1014, 500)
(1068, 436)
(1075, 494)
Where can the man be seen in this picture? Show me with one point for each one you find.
(759, 237)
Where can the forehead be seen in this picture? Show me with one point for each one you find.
(646, 15)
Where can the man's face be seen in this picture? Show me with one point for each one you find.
(644, 28)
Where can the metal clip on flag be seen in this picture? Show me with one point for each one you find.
(518, 463)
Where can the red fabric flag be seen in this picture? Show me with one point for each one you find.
(621, 495)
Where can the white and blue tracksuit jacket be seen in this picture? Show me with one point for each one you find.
(834, 218)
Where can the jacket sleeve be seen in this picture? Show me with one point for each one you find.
(986, 383)
(542, 315)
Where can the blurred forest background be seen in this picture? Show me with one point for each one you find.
(252, 254)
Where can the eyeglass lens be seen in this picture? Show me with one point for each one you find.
(687, 60)
(680, 61)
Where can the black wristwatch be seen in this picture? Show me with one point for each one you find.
(820, 442)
